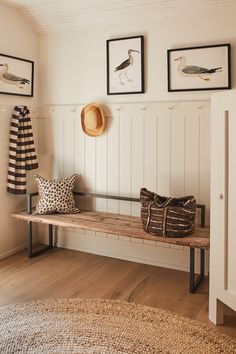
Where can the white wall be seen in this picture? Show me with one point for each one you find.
(74, 63)
(16, 39)
(73, 72)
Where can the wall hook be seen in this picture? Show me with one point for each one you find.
(118, 108)
(199, 107)
(171, 108)
(144, 108)
(73, 109)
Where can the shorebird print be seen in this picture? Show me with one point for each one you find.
(195, 71)
(9, 78)
(125, 65)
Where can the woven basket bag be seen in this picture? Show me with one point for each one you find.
(171, 217)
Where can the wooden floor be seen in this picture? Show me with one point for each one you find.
(68, 274)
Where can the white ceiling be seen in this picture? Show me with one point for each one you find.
(60, 15)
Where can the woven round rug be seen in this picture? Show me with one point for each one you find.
(104, 326)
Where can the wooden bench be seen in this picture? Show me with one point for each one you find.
(124, 225)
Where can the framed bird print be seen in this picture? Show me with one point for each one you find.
(16, 76)
(125, 65)
(199, 68)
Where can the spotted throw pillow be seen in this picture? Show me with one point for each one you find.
(56, 196)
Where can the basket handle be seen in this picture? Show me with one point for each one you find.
(164, 204)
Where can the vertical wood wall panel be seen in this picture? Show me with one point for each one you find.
(101, 170)
(164, 151)
(192, 154)
(150, 148)
(79, 145)
(68, 143)
(137, 148)
(58, 163)
(125, 145)
(113, 158)
(177, 152)
(90, 169)
(204, 158)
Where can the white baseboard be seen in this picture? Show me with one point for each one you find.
(13, 251)
(17, 242)
(132, 258)
(125, 248)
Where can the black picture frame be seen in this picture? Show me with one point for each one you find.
(12, 67)
(118, 55)
(215, 58)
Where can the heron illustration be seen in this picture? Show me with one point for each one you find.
(9, 78)
(125, 65)
(195, 71)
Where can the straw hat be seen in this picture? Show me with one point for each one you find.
(93, 119)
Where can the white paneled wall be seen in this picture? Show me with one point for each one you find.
(161, 146)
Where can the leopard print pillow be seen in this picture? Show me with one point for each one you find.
(56, 196)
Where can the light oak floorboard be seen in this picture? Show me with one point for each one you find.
(68, 274)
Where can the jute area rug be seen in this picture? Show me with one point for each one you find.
(104, 326)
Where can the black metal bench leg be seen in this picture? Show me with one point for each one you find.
(202, 263)
(50, 236)
(30, 241)
(193, 284)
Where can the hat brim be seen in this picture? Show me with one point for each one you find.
(100, 116)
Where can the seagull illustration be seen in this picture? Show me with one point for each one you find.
(9, 78)
(193, 70)
(126, 64)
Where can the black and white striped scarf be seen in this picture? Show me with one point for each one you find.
(22, 156)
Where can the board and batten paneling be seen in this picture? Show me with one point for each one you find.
(163, 146)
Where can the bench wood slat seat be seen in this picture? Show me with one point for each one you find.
(116, 224)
